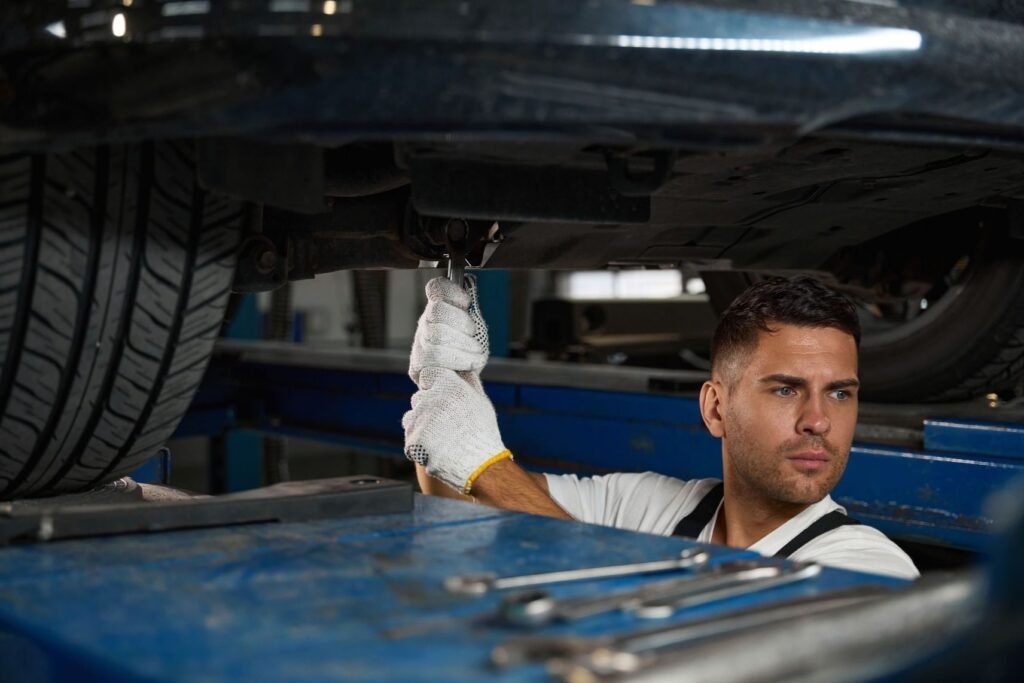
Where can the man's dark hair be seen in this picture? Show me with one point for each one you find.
(801, 301)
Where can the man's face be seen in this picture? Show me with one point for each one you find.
(789, 413)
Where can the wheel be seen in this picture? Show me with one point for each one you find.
(957, 336)
(115, 271)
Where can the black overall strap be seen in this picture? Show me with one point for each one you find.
(692, 524)
(823, 524)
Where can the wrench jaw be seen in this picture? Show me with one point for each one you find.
(534, 649)
(457, 267)
(470, 584)
(603, 662)
(529, 608)
(457, 239)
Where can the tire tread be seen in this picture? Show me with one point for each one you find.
(114, 275)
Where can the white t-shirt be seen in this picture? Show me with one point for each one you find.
(655, 504)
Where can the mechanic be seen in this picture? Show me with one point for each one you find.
(782, 398)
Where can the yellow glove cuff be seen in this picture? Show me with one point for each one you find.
(483, 467)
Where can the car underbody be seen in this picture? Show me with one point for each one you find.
(800, 206)
(155, 155)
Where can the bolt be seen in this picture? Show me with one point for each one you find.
(45, 532)
(266, 261)
(457, 230)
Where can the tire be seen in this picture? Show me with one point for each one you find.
(115, 271)
(971, 342)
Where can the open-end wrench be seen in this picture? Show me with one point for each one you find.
(456, 236)
(595, 650)
(478, 584)
(534, 608)
(666, 605)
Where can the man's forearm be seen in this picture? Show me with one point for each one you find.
(503, 485)
(435, 487)
(506, 485)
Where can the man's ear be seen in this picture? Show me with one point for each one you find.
(711, 395)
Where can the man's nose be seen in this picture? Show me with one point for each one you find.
(814, 418)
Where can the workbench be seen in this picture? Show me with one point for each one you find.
(362, 597)
(353, 598)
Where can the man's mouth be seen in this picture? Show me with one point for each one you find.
(810, 460)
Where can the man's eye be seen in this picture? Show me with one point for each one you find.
(784, 391)
(841, 395)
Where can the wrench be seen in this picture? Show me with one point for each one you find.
(595, 650)
(456, 235)
(478, 584)
(535, 608)
(665, 606)
(619, 664)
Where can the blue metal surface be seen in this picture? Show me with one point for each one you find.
(342, 599)
(247, 322)
(993, 646)
(936, 497)
(494, 305)
(156, 470)
(999, 440)
(906, 493)
(242, 452)
(206, 421)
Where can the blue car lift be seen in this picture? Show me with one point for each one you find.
(918, 473)
(361, 597)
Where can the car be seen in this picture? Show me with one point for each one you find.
(156, 155)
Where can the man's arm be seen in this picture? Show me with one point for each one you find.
(452, 430)
(434, 487)
(503, 485)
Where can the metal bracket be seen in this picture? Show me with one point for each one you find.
(629, 183)
(298, 501)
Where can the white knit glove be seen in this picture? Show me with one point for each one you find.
(452, 429)
(451, 333)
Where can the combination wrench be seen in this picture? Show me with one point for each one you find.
(658, 599)
(479, 584)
